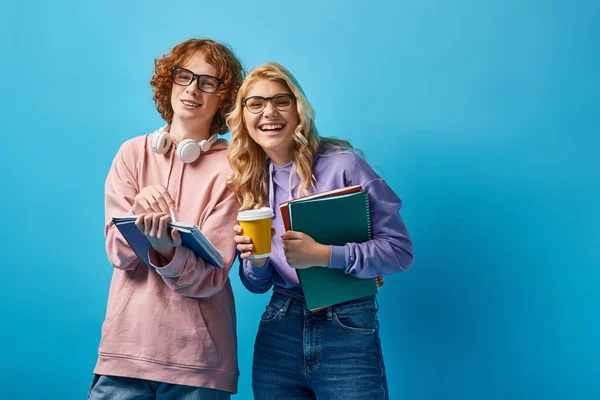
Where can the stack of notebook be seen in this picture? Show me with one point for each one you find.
(335, 217)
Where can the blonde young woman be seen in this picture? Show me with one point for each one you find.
(276, 154)
(170, 331)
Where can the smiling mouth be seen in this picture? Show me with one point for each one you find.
(271, 128)
(190, 104)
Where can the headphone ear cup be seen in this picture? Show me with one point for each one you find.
(161, 142)
(204, 145)
(188, 151)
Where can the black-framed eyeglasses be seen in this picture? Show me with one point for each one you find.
(205, 83)
(281, 102)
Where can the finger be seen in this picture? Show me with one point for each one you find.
(169, 202)
(162, 203)
(145, 205)
(246, 255)
(147, 224)
(153, 203)
(176, 236)
(273, 231)
(237, 229)
(245, 247)
(292, 235)
(288, 243)
(242, 239)
(155, 224)
(162, 226)
(139, 222)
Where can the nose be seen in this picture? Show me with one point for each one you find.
(192, 88)
(269, 110)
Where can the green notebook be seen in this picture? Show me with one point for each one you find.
(333, 220)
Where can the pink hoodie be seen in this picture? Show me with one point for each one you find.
(176, 324)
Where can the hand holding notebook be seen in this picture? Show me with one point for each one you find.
(191, 237)
(302, 251)
(161, 238)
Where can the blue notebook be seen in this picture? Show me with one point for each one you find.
(191, 237)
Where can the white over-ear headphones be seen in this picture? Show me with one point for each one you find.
(188, 150)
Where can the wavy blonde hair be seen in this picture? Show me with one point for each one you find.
(249, 180)
(220, 56)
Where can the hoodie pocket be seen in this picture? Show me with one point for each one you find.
(169, 330)
(115, 306)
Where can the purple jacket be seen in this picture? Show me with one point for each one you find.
(389, 251)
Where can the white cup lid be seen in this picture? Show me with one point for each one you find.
(251, 215)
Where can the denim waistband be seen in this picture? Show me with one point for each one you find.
(296, 305)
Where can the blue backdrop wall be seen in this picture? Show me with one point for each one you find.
(483, 116)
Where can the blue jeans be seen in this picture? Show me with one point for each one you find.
(106, 387)
(334, 354)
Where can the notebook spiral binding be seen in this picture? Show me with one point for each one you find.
(368, 214)
(379, 279)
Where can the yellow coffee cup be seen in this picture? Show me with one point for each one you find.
(256, 224)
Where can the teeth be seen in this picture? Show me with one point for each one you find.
(271, 127)
(187, 103)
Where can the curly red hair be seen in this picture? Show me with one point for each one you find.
(229, 70)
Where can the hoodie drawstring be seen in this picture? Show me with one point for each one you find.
(272, 189)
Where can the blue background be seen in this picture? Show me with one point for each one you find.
(482, 115)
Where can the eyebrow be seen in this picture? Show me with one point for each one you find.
(268, 97)
(198, 73)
